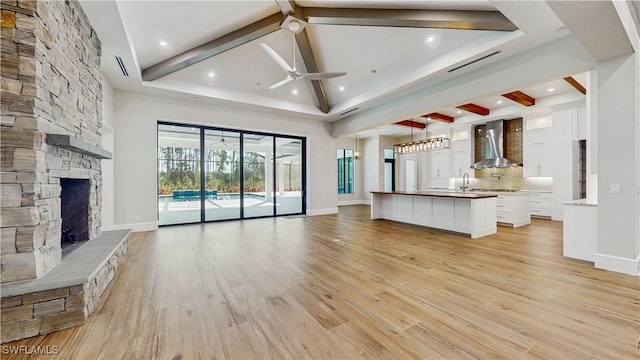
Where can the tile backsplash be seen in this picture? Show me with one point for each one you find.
(509, 178)
(504, 178)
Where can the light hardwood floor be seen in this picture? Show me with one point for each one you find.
(285, 288)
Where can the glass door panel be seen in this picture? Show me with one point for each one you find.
(288, 178)
(222, 175)
(179, 199)
(257, 196)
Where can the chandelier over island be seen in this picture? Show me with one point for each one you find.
(437, 143)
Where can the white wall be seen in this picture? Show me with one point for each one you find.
(135, 127)
(618, 161)
(358, 196)
(371, 163)
(108, 175)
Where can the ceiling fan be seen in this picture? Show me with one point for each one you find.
(291, 71)
(222, 141)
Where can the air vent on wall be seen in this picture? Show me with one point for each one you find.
(348, 111)
(475, 61)
(121, 64)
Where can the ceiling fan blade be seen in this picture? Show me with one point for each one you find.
(280, 83)
(324, 75)
(275, 57)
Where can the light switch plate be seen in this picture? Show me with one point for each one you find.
(615, 188)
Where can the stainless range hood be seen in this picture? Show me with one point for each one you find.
(494, 154)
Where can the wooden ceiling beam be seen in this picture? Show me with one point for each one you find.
(521, 98)
(415, 18)
(439, 117)
(476, 109)
(309, 61)
(576, 84)
(214, 47)
(411, 123)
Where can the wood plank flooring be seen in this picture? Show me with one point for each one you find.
(286, 288)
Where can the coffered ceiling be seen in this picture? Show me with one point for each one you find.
(209, 51)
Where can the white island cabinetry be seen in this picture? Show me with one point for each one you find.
(513, 209)
(473, 214)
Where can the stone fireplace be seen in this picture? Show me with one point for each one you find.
(51, 84)
(50, 169)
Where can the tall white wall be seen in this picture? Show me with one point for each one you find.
(108, 174)
(135, 146)
(618, 162)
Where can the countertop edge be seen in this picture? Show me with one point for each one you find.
(458, 195)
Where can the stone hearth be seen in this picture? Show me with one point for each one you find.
(67, 294)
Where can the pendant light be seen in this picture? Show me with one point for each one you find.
(436, 143)
(356, 153)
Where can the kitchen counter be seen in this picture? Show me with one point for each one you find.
(463, 212)
(513, 207)
(580, 202)
(443, 193)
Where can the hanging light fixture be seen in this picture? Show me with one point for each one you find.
(435, 143)
(356, 153)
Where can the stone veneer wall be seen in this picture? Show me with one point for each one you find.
(51, 83)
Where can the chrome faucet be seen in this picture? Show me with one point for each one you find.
(465, 182)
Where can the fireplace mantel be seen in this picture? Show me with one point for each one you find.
(77, 145)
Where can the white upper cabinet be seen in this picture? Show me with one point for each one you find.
(438, 164)
(461, 154)
(538, 147)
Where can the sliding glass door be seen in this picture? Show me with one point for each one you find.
(210, 174)
(257, 188)
(222, 175)
(178, 175)
(289, 176)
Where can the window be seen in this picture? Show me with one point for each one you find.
(345, 171)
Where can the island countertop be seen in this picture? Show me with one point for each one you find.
(448, 194)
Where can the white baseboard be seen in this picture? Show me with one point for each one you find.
(354, 202)
(327, 211)
(618, 264)
(138, 227)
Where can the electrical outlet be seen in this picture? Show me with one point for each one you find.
(615, 188)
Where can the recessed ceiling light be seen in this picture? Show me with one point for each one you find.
(459, 111)
(428, 118)
(163, 43)
(295, 92)
(211, 74)
(430, 39)
(551, 90)
(373, 71)
(341, 88)
(499, 102)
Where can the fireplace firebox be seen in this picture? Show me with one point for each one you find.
(74, 210)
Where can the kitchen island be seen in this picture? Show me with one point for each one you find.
(463, 212)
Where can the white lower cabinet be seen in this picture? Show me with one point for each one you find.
(513, 209)
(540, 204)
